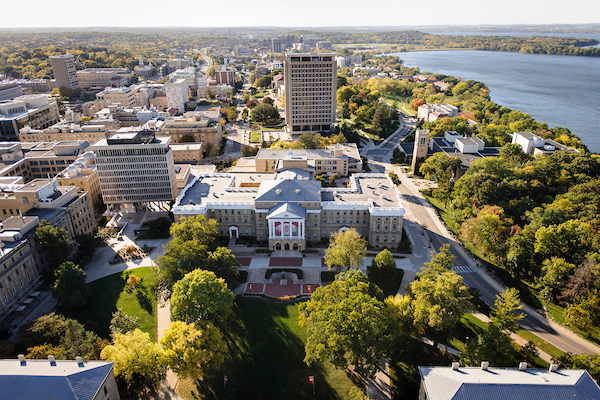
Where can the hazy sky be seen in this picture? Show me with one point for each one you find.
(303, 13)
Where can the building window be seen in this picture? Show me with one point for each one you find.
(377, 238)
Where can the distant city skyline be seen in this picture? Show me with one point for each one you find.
(310, 13)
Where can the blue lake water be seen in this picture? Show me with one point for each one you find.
(559, 90)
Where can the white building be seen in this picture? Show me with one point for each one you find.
(431, 112)
(189, 74)
(135, 167)
(310, 91)
(176, 91)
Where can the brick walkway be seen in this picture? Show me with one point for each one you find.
(285, 262)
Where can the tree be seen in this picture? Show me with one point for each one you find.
(383, 271)
(346, 325)
(193, 237)
(138, 360)
(347, 249)
(67, 338)
(190, 348)
(310, 140)
(224, 264)
(268, 100)
(248, 151)
(491, 345)
(440, 167)
(201, 295)
(439, 296)
(504, 314)
(245, 114)
(416, 103)
(554, 275)
(264, 112)
(214, 151)
(488, 232)
(70, 288)
(246, 97)
(121, 323)
(53, 243)
(251, 103)
(232, 114)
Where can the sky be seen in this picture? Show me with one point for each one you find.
(297, 13)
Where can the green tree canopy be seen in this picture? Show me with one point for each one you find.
(493, 346)
(70, 288)
(190, 348)
(346, 325)
(264, 112)
(122, 323)
(138, 360)
(53, 243)
(193, 238)
(441, 167)
(347, 249)
(200, 295)
(439, 297)
(504, 314)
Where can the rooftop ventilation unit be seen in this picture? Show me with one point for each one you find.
(455, 366)
(485, 365)
(522, 366)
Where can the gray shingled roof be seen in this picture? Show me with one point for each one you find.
(291, 191)
(287, 210)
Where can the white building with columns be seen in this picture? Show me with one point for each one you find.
(288, 209)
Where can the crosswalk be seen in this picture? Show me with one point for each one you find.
(463, 269)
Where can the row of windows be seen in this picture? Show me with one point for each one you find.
(156, 167)
(160, 178)
(132, 159)
(154, 186)
(239, 212)
(130, 152)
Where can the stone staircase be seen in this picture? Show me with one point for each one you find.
(312, 275)
(256, 275)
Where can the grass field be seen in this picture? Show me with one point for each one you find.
(255, 136)
(111, 293)
(265, 360)
(402, 103)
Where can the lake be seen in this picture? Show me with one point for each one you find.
(559, 90)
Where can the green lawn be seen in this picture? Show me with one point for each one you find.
(541, 343)
(265, 360)
(255, 136)
(402, 103)
(110, 293)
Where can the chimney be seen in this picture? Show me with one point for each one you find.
(455, 366)
(52, 360)
(522, 366)
(22, 360)
(484, 365)
(79, 361)
(553, 368)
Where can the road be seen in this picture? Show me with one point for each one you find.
(419, 210)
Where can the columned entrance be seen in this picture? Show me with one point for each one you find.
(234, 232)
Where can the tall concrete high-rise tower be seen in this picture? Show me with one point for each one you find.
(65, 72)
(310, 91)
